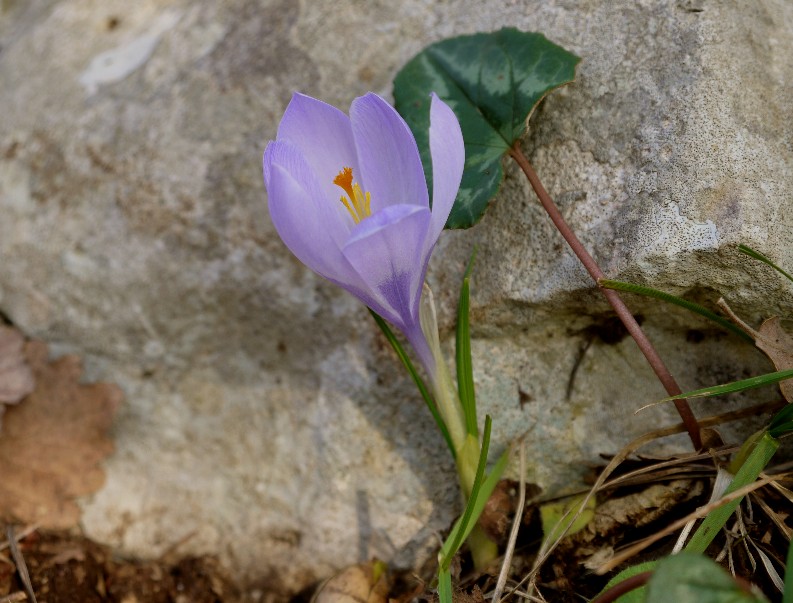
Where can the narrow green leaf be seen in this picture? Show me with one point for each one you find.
(465, 370)
(748, 473)
(444, 586)
(492, 81)
(477, 501)
(485, 491)
(447, 552)
(672, 299)
(782, 422)
(744, 452)
(735, 386)
(690, 578)
(787, 595)
(402, 355)
(759, 256)
(458, 534)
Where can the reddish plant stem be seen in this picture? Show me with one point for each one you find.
(626, 586)
(658, 366)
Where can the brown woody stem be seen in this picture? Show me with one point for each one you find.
(658, 366)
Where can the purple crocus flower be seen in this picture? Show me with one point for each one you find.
(348, 197)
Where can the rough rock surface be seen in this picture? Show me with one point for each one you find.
(266, 419)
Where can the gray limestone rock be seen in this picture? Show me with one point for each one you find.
(267, 421)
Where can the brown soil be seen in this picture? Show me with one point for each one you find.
(65, 567)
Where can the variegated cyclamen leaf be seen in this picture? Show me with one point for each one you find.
(492, 81)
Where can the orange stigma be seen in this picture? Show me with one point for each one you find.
(357, 202)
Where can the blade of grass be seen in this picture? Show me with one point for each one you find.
(402, 355)
(677, 301)
(485, 491)
(476, 502)
(465, 371)
(759, 256)
(787, 596)
(736, 386)
(445, 586)
(747, 474)
(457, 536)
(782, 423)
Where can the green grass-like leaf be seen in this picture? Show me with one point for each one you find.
(445, 586)
(787, 595)
(755, 463)
(480, 493)
(458, 534)
(485, 491)
(465, 371)
(402, 355)
(672, 299)
(782, 423)
(735, 386)
(492, 81)
(759, 256)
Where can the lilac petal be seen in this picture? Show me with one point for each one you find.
(301, 225)
(337, 223)
(448, 159)
(386, 250)
(418, 341)
(324, 136)
(390, 163)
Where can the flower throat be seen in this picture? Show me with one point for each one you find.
(357, 202)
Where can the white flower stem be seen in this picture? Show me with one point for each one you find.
(446, 397)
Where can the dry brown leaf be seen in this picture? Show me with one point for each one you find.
(16, 378)
(53, 442)
(363, 583)
(616, 515)
(777, 344)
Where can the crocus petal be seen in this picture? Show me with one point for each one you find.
(390, 163)
(301, 225)
(448, 159)
(291, 159)
(324, 136)
(383, 259)
(386, 251)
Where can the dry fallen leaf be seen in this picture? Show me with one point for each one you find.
(621, 514)
(16, 378)
(53, 442)
(771, 339)
(777, 344)
(363, 583)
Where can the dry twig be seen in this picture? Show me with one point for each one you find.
(22, 567)
(513, 533)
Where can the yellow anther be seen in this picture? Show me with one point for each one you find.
(358, 203)
(344, 180)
